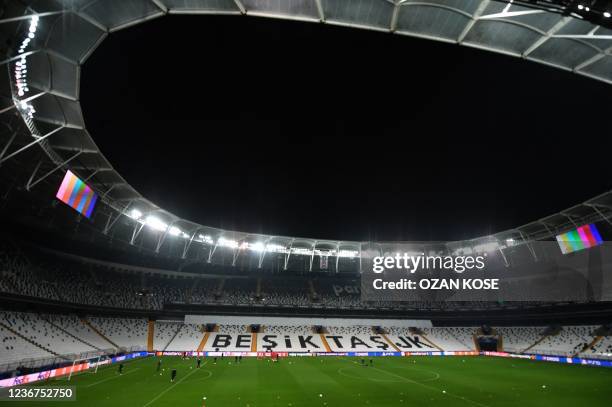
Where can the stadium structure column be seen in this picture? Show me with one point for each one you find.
(150, 335)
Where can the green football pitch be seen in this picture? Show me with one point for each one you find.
(341, 381)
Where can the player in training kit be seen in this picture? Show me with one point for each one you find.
(159, 365)
(121, 368)
(199, 362)
(173, 375)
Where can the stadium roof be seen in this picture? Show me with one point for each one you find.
(52, 39)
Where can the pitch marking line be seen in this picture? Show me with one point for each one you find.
(171, 387)
(112, 377)
(202, 378)
(436, 376)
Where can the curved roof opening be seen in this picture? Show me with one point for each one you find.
(55, 41)
(260, 125)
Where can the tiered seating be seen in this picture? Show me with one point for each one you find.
(14, 348)
(457, 339)
(285, 292)
(517, 339)
(571, 340)
(204, 291)
(188, 338)
(287, 330)
(126, 333)
(76, 327)
(41, 337)
(44, 334)
(164, 332)
(239, 291)
(465, 336)
(32, 273)
(602, 349)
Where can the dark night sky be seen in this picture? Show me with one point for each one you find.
(313, 130)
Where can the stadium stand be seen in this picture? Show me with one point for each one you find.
(28, 337)
(517, 339)
(125, 333)
(31, 272)
(602, 349)
(76, 328)
(187, 338)
(165, 331)
(458, 339)
(567, 341)
(17, 345)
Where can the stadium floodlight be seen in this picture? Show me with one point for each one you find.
(276, 248)
(301, 250)
(606, 14)
(580, 6)
(206, 239)
(135, 214)
(486, 247)
(257, 247)
(348, 253)
(223, 242)
(174, 231)
(156, 223)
